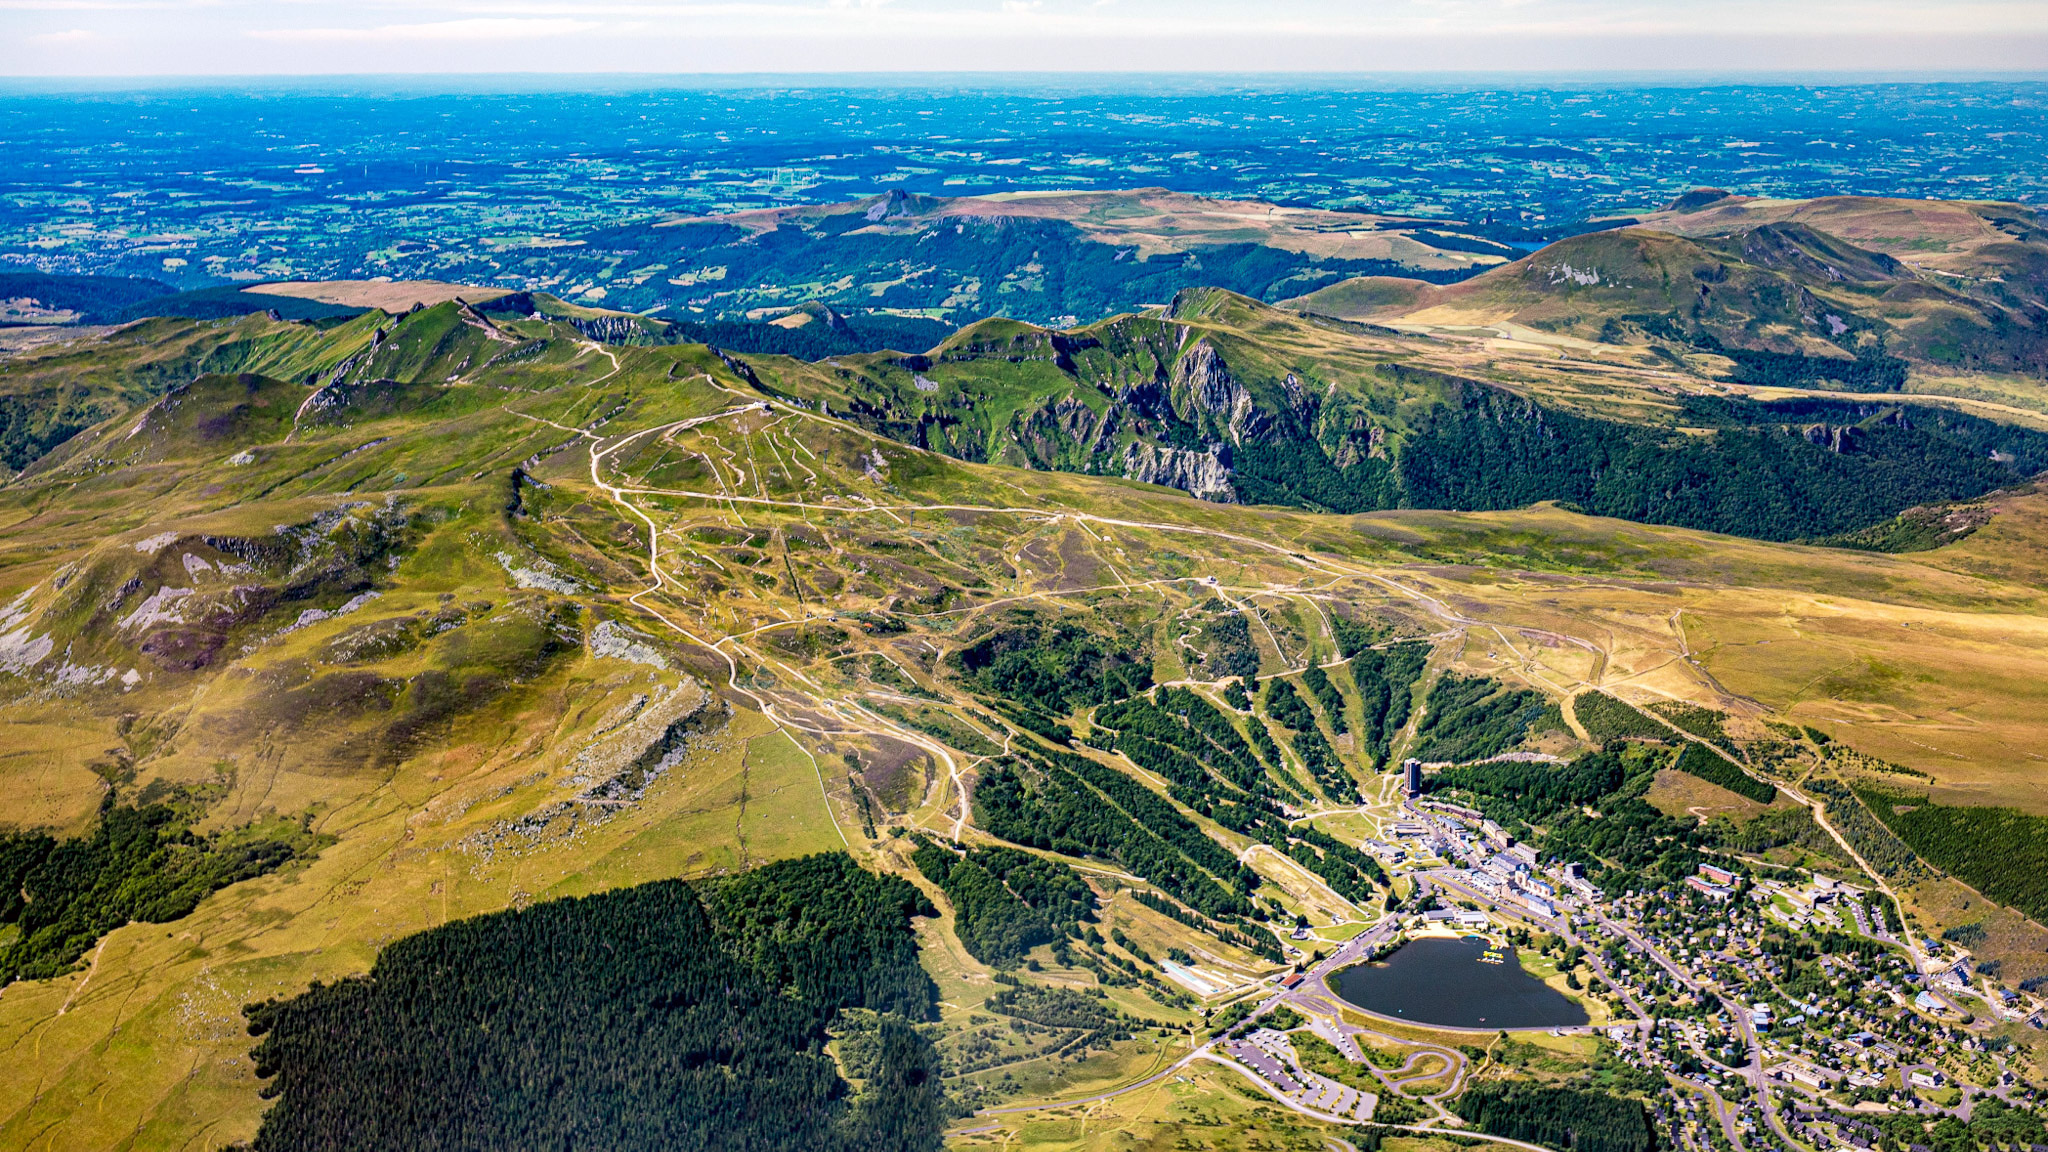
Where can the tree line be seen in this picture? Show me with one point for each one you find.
(1757, 474)
(1184, 738)
(1005, 901)
(663, 1015)
(1472, 718)
(2001, 852)
(139, 863)
(1580, 1119)
(1288, 709)
(1051, 667)
(1076, 807)
(1629, 839)
(1386, 679)
(1606, 718)
(1697, 760)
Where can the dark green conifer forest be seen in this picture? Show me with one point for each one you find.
(665, 1015)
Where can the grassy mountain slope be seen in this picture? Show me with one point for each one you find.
(1238, 401)
(501, 615)
(1949, 287)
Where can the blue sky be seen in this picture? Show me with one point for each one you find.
(229, 37)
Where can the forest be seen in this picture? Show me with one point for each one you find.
(1757, 475)
(1872, 838)
(1473, 717)
(1993, 1123)
(97, 299)
(1534, 791)
(1289, 709)
(1628, 838)
(1051, 667)
(1792, 827)
(1607, 718)
(1233, 653)
(1005, 901)
(1183, 737)
(1077, 807)
(1871, 372)
(1328, 699)
(1076, 275)
(662, 1015)
(1578, 1119)
(833, 336)
(1386, 679)
(1705, 764)
(140, 863)
(1706, 723)
(2001, 852)
(1210, 768)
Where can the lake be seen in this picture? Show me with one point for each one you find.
(1435, 980)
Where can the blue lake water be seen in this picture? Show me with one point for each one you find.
(1448, 982)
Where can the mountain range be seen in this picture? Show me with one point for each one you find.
(468, 670)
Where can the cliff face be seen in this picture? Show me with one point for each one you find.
(1204, 394)
(1205, 475)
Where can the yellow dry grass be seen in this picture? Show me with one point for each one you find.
(391, 295)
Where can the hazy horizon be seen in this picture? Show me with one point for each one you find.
(234, 37)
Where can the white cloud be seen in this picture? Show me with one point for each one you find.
(477, 29)
(677, 36)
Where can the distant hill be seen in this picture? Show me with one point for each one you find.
(1237, 401)
(40, 298)
(1051, 258)
(1219, 395)
(234, 300)
(1794, 291)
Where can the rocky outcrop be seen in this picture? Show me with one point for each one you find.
(1833, 437)
(1302, 402)
(609, 329)
(1060, 430)
(1205, 395)
(1205, 475)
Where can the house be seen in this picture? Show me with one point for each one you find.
(1710, 891)
(1926, 1078)
(1811, 1077)
(1470, 919)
